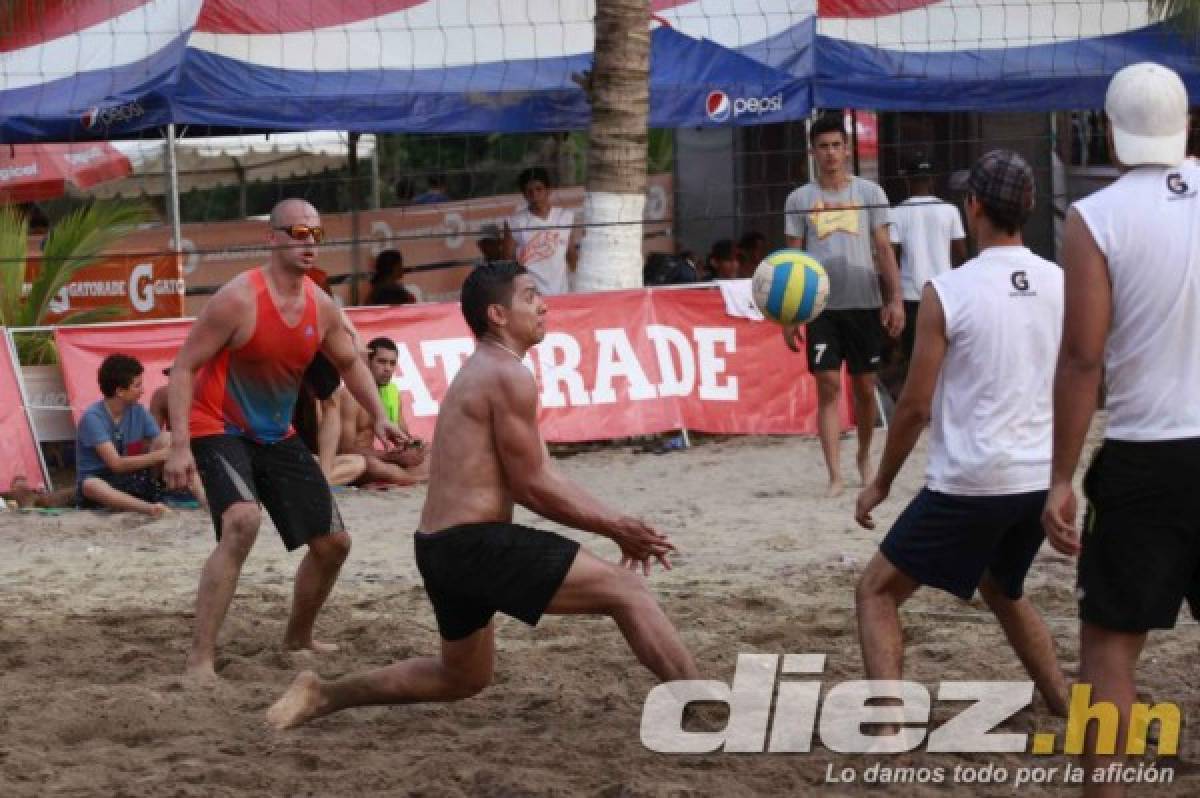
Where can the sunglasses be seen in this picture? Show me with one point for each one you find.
(303, 231)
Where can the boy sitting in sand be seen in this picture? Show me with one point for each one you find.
(118, 446)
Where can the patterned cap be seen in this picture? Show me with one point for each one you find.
(1003, 181)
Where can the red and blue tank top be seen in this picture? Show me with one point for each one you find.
(251, 390)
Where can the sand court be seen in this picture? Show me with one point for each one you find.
(98, 611)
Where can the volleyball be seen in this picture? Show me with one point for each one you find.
(790, 287)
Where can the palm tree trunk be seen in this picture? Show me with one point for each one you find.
(611, 250)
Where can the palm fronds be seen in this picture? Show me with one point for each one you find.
(77, 241)
(74, 242)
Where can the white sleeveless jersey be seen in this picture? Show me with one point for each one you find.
(991, 425)
(1147, 224)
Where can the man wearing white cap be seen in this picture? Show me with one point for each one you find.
(1131, 258)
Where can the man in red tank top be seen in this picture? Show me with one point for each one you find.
(232, 392)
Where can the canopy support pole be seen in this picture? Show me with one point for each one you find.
(374, 198)
(355, 244)
(173, 192)
(854, 139)
(243, 202)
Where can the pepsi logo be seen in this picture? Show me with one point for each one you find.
(717, 106)
(105, 118)
(720, 106)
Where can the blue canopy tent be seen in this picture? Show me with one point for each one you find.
(102, 69)
(209, 72)
(950, 55)
(686, 75)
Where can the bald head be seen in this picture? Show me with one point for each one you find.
(292, 211)
(294, 235)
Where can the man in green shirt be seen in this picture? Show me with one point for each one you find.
(403, 465)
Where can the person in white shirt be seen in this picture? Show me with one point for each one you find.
(929, 233)
(542, 237)
(1132, 268)
(980, 377)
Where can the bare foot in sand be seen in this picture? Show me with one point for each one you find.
(299, 704)
(866, 471)
(200, 674)
(310, 647)
(835, 489)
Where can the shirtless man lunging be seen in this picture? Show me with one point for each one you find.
(487, 456)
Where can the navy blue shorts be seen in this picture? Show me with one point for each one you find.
(950, 542)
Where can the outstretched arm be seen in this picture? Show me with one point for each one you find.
(537, 485)
(791, 332)
(916, 401)
(892, 314)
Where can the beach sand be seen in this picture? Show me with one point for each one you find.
(97, 613)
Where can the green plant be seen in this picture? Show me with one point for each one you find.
(76, 241)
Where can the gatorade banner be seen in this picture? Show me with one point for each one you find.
(18, 446)
(612, 365)
(139, 287)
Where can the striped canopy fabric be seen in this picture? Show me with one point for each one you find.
(72, 69)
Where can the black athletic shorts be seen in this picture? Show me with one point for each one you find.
(1141, 535)
(144, 484)
(950, 542)
(854, 336)
(473, 571)
(283, 477)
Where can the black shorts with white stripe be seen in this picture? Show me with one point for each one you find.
(283, 477)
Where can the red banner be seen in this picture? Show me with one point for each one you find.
(613, 365)
(18, 447)
(82, 349)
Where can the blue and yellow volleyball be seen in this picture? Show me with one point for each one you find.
(790, 286)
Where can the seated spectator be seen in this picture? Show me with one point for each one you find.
(400, 466)
(317, 419)
(158, 404)
(751, 249)
(386, 285)
(490, 243)
(694, 262)
(119, 449)
(434, 193)
(722, 263)
(663, 268)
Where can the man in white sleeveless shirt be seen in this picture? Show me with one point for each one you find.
(980, 377)
(1131, 258)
